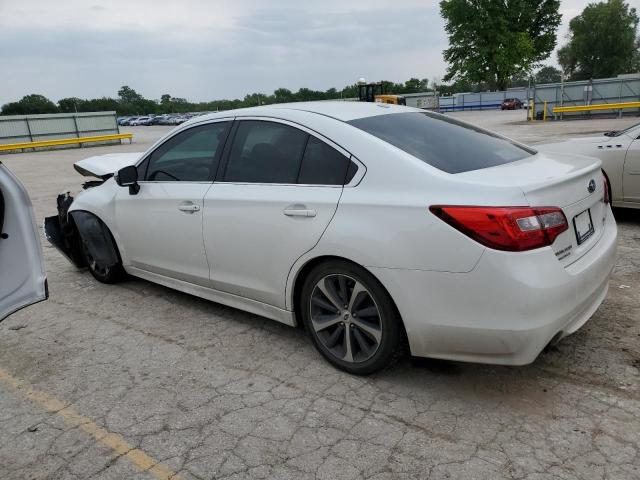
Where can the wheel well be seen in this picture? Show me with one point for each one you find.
(97, 235)
(300, 278)
(310, 265)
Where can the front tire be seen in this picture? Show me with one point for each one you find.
(350, 317)
(103, 273)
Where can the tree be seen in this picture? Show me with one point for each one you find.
(283, 95)
(255, 99)
(547, 74)
(491, 40)
(350, 91)
(415, 85)
(520, 79)
(30, 104)
(567, 61)
(331, 93)
(129, 95)
(70, 105)
(103, 104)
(602, 41)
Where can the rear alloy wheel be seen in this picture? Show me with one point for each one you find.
(350, 317)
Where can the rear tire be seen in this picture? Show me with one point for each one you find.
(350, 317)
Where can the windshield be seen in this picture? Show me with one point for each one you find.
(443, 142)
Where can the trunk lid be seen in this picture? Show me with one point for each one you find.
(557, 180)
(104, 166)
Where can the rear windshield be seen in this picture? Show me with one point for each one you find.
(443, 142)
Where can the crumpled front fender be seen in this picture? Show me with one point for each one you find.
(76, 232)
(95, 237)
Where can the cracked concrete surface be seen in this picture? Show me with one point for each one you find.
(214, 392)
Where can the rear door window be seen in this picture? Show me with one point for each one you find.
(443, 142)
(265, 152)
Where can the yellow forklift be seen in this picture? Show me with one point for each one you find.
(375, 92)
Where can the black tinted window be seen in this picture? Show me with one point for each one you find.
(442, 142)
(265, 152)
(191, 156)
(351, 172)
(322, 164)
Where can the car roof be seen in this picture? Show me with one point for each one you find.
(340, 110)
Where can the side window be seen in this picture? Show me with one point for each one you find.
(265, 152)
(190, 156)
(322, 164)
(351, 172)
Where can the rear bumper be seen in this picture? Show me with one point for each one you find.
(507, 309)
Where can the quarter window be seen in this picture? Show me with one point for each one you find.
(265, 152)
(190, 156)
(322, 164)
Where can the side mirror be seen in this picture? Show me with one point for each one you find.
(128, 177)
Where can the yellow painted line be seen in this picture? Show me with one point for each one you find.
(115, 442)
(599, 106)
(65, 141)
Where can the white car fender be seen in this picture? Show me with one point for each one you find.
(100, 201)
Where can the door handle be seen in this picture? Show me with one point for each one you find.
(188, 207)
(299, 212)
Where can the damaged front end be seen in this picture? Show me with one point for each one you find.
(79, 234)
(61, 232)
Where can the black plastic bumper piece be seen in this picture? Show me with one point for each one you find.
(53, 232)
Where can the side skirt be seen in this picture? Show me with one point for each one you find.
(235, 301)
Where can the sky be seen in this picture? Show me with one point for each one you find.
(206, 50)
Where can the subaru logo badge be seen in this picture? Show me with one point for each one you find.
(592, 186)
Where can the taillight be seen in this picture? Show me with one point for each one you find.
(607, 193)
(513, 229)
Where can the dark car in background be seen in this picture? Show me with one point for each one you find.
(511, 104)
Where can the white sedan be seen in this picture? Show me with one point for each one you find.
(369, 224)
(620, 155)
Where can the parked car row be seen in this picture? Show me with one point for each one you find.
(165, 119)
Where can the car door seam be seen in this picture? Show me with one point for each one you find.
(335, 211)
(204, 243)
